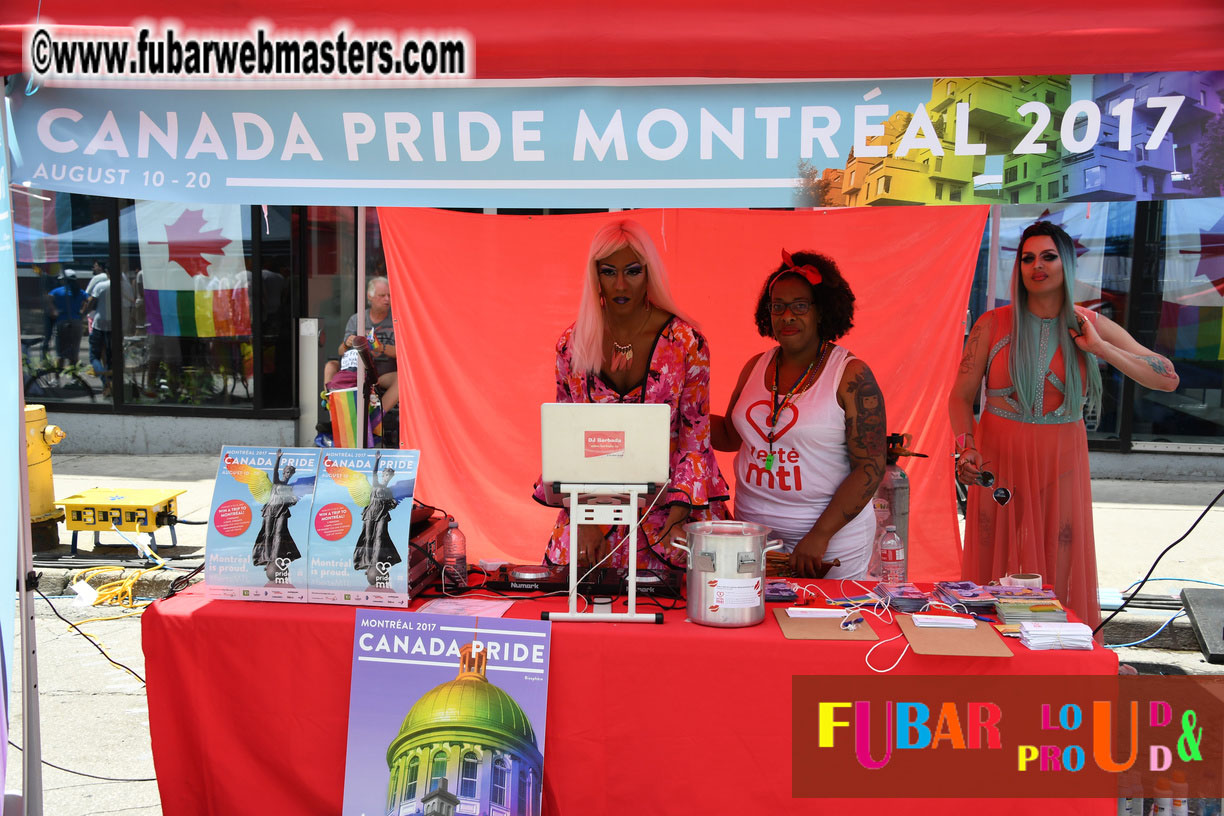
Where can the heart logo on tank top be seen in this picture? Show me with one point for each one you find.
(758, 418)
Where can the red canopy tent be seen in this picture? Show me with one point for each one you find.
(647, 40)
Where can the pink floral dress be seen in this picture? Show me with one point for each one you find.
(679, 375)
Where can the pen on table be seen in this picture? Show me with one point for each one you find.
(984, 618)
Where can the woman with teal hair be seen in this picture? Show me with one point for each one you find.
(1039, 359)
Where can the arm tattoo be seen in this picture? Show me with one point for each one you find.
(971, 347)
(866, 434)
(1157, 363)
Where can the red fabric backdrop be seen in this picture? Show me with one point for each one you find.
(481, 299)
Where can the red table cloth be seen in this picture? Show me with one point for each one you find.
(248, 708)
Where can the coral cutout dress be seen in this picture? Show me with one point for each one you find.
(1042, 458)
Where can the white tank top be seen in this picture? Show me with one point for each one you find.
(810, 459)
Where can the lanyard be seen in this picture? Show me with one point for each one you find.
(800, 385)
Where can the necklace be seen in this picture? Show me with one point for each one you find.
(622, 353)
(800, 385)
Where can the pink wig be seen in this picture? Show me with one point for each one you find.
(589, 327)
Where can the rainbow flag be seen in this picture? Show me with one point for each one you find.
(182, 313)
(342, 405)
(193, 269)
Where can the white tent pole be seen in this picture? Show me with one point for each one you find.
(992, 262)
(11, 375)
(992, 278)
(362, 409)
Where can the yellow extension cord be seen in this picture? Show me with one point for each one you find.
(120, 592)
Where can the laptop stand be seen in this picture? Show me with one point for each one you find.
(602, 512)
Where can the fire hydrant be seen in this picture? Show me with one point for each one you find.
(44, 515)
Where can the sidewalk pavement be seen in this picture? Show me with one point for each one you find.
(1134, 521)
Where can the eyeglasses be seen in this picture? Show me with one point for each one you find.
(797, 308)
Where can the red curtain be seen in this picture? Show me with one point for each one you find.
(481, 299)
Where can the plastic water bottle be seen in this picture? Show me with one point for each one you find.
(454, 556)
(1163, 806)
(894, 568)
(891, 503)
(1181, 794)
(883, 515)
(1131, 801)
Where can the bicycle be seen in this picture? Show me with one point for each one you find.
(53, 379)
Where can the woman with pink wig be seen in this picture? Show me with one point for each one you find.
(632, 343)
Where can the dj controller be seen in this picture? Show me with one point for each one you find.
(603, 581)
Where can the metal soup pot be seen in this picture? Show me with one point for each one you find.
(726, 571)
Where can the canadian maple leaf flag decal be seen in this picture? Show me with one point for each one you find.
(189, 242)
(193, 269)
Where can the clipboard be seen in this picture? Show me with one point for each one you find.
(980, 641)
(820, 628)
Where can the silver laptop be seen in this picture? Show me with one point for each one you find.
(592, 443)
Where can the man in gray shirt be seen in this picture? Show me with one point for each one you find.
(380, 332)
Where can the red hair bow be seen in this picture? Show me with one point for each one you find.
(810, 273)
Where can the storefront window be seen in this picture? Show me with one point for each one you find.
(1186, 309)
(162, 316)
(279, 334)
(192, 344)
(62, 242)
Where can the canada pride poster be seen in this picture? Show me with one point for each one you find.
(446, 714)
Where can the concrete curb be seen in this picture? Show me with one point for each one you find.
(1129, 627)
(57, 582)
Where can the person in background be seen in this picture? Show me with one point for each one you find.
(631, 343)
(807, 419)
(98, 309)
(380, 332)
(1039, 359)
(66, 302)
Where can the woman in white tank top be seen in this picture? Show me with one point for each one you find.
(807, 420)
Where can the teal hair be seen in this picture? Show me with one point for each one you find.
(1022, 361)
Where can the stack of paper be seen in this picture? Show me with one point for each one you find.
(902, 597)
(1041, 635)
(1023, 593)
(965, 593)
(1018, 611)
(944, 620)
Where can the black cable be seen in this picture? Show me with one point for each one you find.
(182, 582)
(82, 773)
(676, 602)
(663, 537)
(167, 519)
(425, 554)
(1127, 600)
(418, 503)
(92, 642)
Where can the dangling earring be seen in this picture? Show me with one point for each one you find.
(601, 301)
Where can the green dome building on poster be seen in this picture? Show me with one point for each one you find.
(465, 747)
